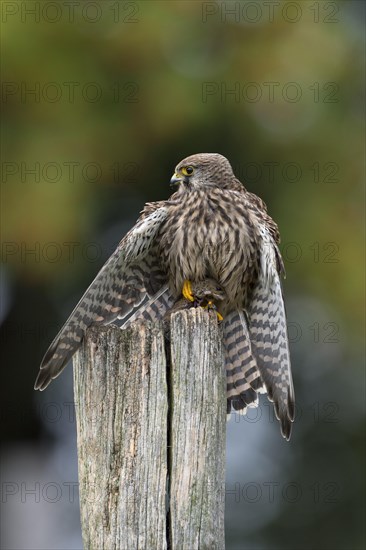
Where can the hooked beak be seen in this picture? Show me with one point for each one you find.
(175, 180)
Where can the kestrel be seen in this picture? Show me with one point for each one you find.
(210, 228)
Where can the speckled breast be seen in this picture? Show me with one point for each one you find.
(209, 234)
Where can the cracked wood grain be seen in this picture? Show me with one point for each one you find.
(151, 435)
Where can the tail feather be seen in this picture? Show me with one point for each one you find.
(243, 377)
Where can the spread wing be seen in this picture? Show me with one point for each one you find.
(268, 333)
(130, 275)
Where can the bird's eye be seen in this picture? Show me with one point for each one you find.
(187, 170)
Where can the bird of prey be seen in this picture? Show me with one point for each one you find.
(210, 228)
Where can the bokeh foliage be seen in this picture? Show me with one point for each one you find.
(118, 101)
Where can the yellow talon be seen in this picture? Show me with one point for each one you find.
(187, 291)
(210, 304)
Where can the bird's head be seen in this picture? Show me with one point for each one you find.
(202, 170)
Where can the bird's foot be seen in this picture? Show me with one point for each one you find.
(212, 305)
(187, 291)
(205, 303)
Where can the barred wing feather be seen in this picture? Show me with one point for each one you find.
(268, 334)
(130, 274)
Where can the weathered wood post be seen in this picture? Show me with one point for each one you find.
(151, 436)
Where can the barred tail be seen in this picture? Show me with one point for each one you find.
(243, 377)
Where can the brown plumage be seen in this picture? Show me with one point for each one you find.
(211, 228)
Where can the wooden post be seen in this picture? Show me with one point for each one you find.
(151, 435)
(121, 410)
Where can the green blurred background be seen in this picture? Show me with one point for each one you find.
(100, 100)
